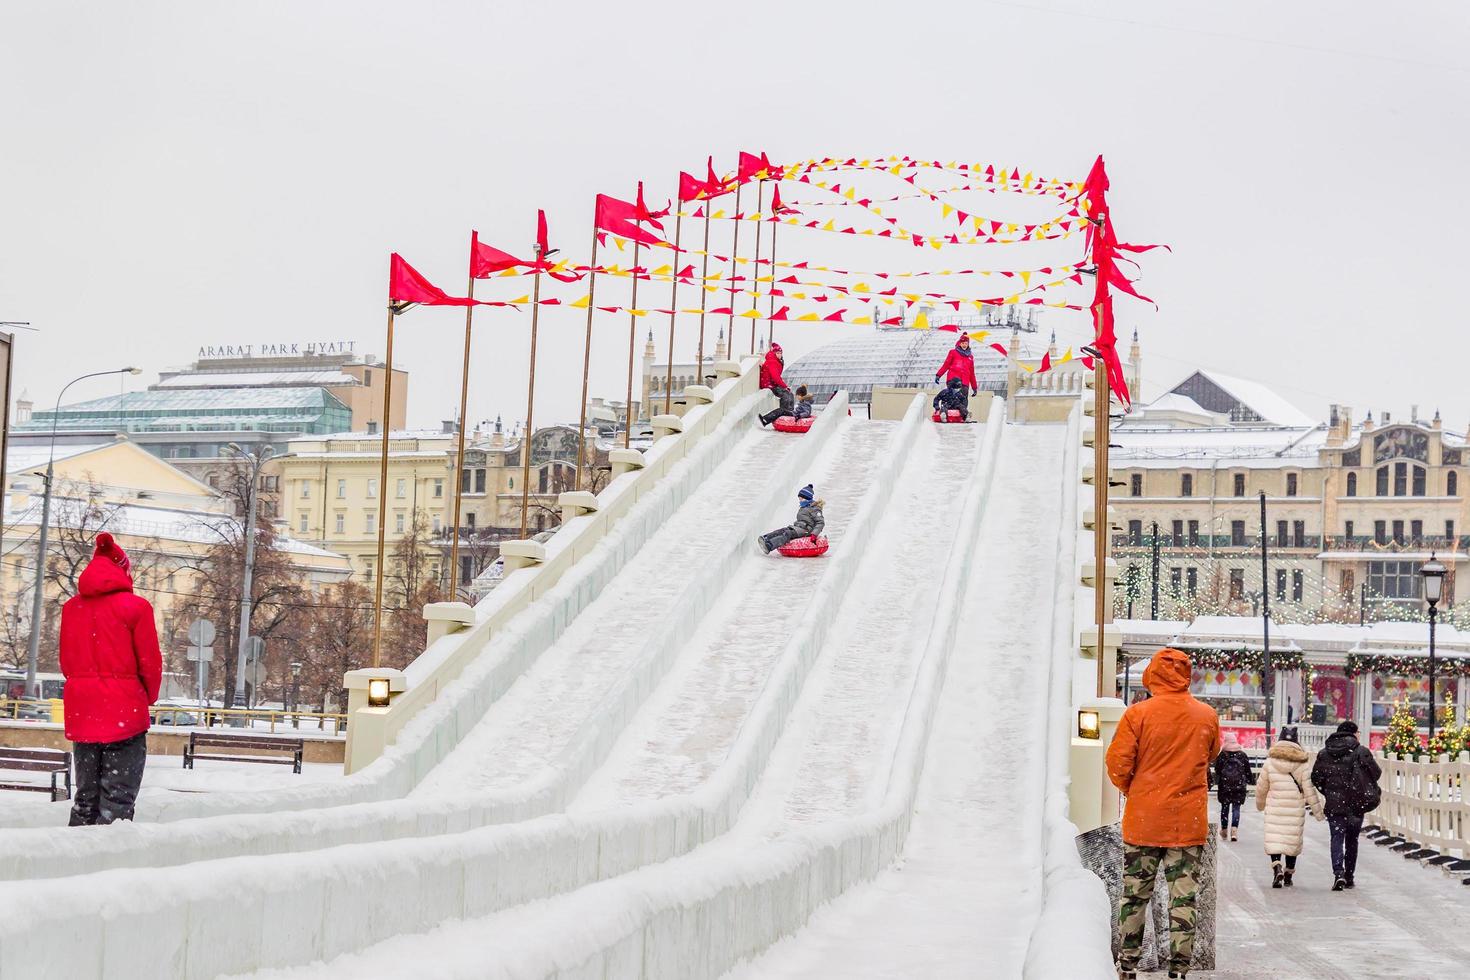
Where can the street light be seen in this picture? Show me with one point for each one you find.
(295, 693)
(33, 652)
(256, 461)
(1432, 572)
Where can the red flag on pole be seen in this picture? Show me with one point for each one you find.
(486, 260)
(407, 285)
(650, 217)
(691, 188)
(619, 218)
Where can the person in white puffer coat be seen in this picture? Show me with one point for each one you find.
(1284, 792)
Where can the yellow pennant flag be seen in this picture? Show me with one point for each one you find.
(862, 319)
(807, 316)
(861, 287)
(749, 314)
(1025, 278)
(580, 304)
(850, 193)
(947, 209)
(662, 270)
(921, 322)
(524, 299)
(829, 226)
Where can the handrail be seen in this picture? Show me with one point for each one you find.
(213, 717)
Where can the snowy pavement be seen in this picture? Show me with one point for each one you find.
(1403, 920)
(962, 901)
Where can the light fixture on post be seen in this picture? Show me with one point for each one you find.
(1432, 571)
(377, 689)
(1089, 724)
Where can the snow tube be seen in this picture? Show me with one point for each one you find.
(790, 423)
(952, 415)
(807, 547)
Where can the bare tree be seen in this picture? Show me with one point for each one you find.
(410, 587)
(336, 635)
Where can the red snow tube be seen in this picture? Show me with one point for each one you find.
(807, 547)
(952, 415)
(790, 423)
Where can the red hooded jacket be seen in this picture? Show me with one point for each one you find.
(1160, 755)
(771, 369)
(109, 651)
(959, 364)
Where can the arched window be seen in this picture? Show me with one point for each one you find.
(1452, 484)
(1352, 485)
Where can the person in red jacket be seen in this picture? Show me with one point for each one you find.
(110, 657)
(959, 364)
(771, 380)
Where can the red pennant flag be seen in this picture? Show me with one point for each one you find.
(1045, 362)
(779, 207)
(543, 246)
(407, 285)
(647, 216)
(691, 188)
(835, 316)
(781, 313)
(486, 260)
(620, 218)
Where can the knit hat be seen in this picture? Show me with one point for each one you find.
(956, 383)
(108, 548)
(807, 492)
(1349, 727)
(1229, 743)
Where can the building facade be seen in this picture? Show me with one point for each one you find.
(1352, 509)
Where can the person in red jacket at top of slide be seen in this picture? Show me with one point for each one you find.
(771, 379)
(113, 668)
(959, 364)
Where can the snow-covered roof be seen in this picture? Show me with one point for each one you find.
(1373, 637)
(256, 379)
(1247, 447)
(1265, 402)
(1182, 404)
(28, 456)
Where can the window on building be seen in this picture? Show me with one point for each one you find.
(398, 523)
(1398, 532)
(341, 489)
(1291, 484)
(1194, 532)
(1347, 531)
(479, 481)
(1135, 532)
(339, 524)
(1416, 530)
(1346, 581)
(1394, 579)
(1298, 534)
(439, 488)
(1281, 534)
(1191, 576)
(541, 480)
(469, 521)
(1381, 489)
(370, 521)
(1420, 474)
(1176, 580)
(1135, 485)
(1240, 484)
(305, 490)
(1452, 484)
(540, 522)
(1352, 485)
(466, 569)
(1380, 532)
(1186, 485)
(466, 481)
(301, 523)
(372, 488)
(401, 490)
(1296, 586)
(1237, 533)
(1449, 533)
(1178, 538)
(367, 564)
(438, 524)
(1280, 585)
(1400, 479)
(434, 568)
(1237, 583)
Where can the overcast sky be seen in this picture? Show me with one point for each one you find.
(193, 173)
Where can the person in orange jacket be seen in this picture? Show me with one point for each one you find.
(1159, 759)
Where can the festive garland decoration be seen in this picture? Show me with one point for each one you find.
(1241, 658)
(1406, 665)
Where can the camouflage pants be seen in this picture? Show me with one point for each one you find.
(1140, 870)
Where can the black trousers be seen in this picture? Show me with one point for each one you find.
(781, 536)
(108, 774)
(1290, 860)
(787, 406)
(1345, 829)
(961, 399)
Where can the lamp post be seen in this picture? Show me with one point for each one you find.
(256, 461)
(295, 693)
(1432, 572)
(33, 652)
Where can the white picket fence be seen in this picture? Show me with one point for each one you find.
(1425, 802)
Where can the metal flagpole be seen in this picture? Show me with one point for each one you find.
(734, 271)
(755, 298)
(703, 289)
(632, 342)
(387, 424)
(587, 358)
(530, 397)
(464, 395)
(673, 305)
(770, 323)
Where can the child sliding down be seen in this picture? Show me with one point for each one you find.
(803, 408)
(953, 396)
(808, 523)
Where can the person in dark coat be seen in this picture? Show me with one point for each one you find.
(1347, 775)
(113, 669)
(772, 381)
(808, 523)
(953, 397)
(1232, 777)
(803, 408)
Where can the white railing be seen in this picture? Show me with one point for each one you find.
(1425, 803)
(1313, 738)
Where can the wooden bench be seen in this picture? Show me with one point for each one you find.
(233, 744)
(55, 761)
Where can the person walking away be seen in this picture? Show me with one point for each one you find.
(1284, 792)
(953, 397)
(1346, 774)
(772, 381)
(1232, 777)
(113, 668)
(1160, 759)
(803, 408)
(959, 363)
(808, 523)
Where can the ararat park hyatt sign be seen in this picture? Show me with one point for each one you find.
(306, 349)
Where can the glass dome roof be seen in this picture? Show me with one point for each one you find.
(900, 358)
